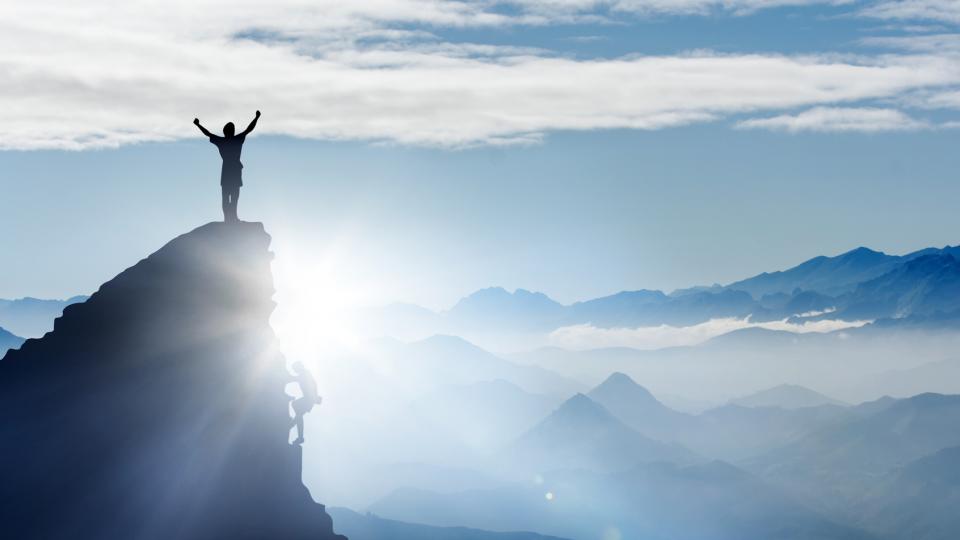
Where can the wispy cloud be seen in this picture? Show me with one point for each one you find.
(586, 336)
(938, 10)
(919, 43)
(552, 9)
(838, 119)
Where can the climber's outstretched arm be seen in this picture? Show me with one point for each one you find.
(196, 122)
(252, 125)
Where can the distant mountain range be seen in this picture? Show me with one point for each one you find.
(371, 527)
(833, 276)
(919, 500)
(9, 341)
(833, 468)
(733, 431)
(613, 463)
(861, 284)
(903, 431)
(32, 317)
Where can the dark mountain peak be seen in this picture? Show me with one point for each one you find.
(155, 409)
(826, 275)
(925, 285)
(862, 254)
(931, 263)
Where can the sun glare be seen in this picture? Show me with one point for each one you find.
(317, 304)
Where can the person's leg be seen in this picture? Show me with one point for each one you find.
(225, 202)
(299, 410)
(236, 197)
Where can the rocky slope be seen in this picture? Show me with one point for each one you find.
(155, 409)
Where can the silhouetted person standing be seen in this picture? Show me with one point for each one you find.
(305, 403)
(231, 179)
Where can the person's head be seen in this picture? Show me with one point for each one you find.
(297, 367)
(229, 130)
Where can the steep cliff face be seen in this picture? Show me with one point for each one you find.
(156, 408)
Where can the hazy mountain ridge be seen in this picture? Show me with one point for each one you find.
(844, 461)
(582, 434)
(728, 432)
(787, 396)
(639, 409)
(826, 275)
(651, 501)
(454, 360)
(32, 317)
(9, 341)
(372, 527)
(917, 501)
(836, 467)
(859, 285)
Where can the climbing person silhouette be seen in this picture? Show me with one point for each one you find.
(308, 398)
(230, 146)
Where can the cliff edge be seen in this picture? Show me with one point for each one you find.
(156, 408)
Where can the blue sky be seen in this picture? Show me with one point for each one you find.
(418, 150)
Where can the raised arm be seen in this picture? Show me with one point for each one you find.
(252, 125)
(196, 122)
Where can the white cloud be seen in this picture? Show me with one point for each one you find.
(553, 9)
(940, 10)
(945, 100)
(921, 43)
(82, 75)
(838, 119)
(586, 336)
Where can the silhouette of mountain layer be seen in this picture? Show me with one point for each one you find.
(787, 396)
(372, 527)
(635, 406)
(32, 317)
(581, 434)
(9, 341)
(829, 275)
(155, 409)
(653, 501)
(917, 501)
